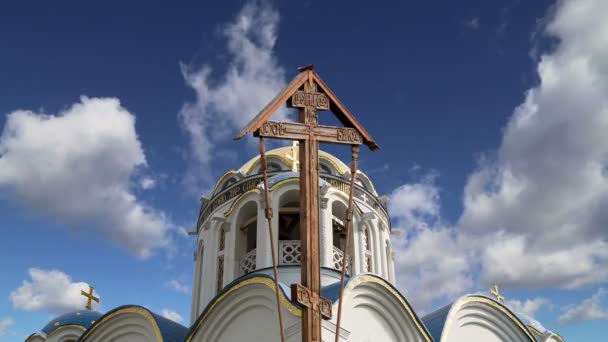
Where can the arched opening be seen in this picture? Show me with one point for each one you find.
(289, 228)
(220, 260)
(338, 221)
(246, 237)
(368, 244)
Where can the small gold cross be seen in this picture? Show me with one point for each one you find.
(295, 161)
(90, 297)
(496, 294)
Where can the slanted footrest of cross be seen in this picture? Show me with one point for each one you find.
(307, 298)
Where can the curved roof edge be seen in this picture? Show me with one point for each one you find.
(437, 321)
(81, 319)
(165, 329)
(330, 292)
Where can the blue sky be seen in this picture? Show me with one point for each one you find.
(490, 117)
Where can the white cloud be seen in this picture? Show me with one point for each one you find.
(546, 192)
(178, 286)
(5, 326)
(172, 315)
(429, 254)
(225, 103)
(588, 309)
(528, 307)
(535, 215)
(76, 167)
(147, 183)
(50, 290)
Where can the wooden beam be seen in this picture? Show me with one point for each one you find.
(298, 131)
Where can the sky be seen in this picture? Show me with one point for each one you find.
(491, 117)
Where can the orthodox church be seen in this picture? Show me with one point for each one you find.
(233, 296)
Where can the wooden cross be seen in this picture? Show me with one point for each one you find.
(302, 93)
(90, 297)
(496, 294)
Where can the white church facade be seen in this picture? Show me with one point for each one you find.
(233, 296)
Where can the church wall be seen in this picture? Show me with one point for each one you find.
(373, 313)
(246, 314)
(481, 319)
(65, 334)
(127, 327)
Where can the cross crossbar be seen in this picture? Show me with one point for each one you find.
(298, 131)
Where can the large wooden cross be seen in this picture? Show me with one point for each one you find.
(303, 93)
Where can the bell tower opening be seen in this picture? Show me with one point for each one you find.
(246, 238)
(290, 251)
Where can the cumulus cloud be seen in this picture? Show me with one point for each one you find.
(547, 189)
(177, 286)
(50, 290)
(429, 254)
(147, 183)
(226, 102)
(534, 216)
(589, 309)
(528, 307)
(172, 315)
(76, 167)
(5, 326)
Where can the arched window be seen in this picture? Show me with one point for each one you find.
(338, 223)
(324, 168)
(367, 245)
(246, 238)
(290, 250)
(220, 259)
(389, 257)
(228, 182)
(222, 242)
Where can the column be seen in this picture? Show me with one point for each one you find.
(262, 255)
(326, 234)
(231, 264)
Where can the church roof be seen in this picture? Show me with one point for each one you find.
(435, 321)
(169, 330)
(82, 318)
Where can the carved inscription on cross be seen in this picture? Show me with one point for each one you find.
(90, 297)
(313, 301)
(311, 101)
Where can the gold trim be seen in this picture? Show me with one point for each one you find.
(269, 156)
(559, 337)
(230, 172)
(374, 279)
(534, 330)
(459, 304)
(256, 280)
(239, 199)
(66, 326)
(338, 168)
(283, 182)
(136, 310)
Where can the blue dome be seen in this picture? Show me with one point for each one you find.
(82, 318)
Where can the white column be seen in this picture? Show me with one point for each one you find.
(382, 251)
(358, 252)
(231, 264)
(326, 234)
(262, 253)
(209, 269)
(195, 284)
